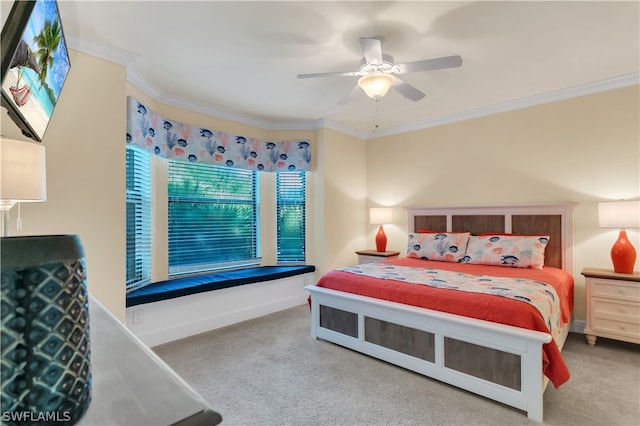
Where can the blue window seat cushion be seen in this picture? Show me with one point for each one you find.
(178, 287)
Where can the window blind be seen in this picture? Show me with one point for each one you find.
(138, 220)
(213, 217)
(291, 214)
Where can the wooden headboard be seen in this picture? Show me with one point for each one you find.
(555, 220)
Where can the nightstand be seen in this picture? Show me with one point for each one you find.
(370, 256)
(613, 305)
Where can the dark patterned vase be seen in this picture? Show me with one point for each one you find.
(46, 367)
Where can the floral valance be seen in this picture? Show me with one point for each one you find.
(178, 141)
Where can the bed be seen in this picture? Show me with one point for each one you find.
(506, 353)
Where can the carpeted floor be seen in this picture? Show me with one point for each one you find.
(269, 371)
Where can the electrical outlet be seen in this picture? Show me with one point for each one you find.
(138, 316)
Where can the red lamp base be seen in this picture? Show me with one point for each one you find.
(381, 240)
(623, 255)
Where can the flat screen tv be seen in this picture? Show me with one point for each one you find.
(35, 64)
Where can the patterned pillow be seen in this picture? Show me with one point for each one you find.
(442, 246)
(520, 251)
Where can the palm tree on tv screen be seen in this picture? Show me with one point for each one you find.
(47, 41)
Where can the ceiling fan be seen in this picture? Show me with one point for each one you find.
(377, 72)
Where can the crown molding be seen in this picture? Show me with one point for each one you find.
(127, 58)
(543, 98)
(149, 89)
(343, 128)
(100, 50)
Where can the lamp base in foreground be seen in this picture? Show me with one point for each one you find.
(46, 368)
(623, 254)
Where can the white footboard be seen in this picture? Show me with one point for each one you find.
(444, 334)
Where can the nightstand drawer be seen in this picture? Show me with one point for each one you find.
(372, 259)
(615, 290)
(617, 328)
(612, 310)
(369, 259)
(371, 256)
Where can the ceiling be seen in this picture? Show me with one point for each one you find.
(239, 60)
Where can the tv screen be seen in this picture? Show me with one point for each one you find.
(35, 64)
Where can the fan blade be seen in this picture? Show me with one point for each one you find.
(351, 95)
(429, 64)
(372, 50)
(331, 74)
(407, 90)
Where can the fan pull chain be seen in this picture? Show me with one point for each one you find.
(375, 117)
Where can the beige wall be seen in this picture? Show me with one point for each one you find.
(340, 190)
(583, 150)
(86, 174)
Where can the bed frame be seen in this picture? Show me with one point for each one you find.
(500, 362)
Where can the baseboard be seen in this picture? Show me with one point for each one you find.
(180, 331)
(577, 326)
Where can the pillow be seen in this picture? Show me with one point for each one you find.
(519, 251)
(442, 246)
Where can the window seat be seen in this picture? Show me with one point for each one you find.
(178, 287)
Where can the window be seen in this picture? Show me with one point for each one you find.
(291, 209)
(138, 218)
(213, 217)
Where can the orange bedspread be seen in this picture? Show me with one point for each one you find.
(475, 305)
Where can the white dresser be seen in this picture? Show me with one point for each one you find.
(613, 305)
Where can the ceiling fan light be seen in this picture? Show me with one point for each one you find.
(376, 84)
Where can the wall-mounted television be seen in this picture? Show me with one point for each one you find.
(35, 64)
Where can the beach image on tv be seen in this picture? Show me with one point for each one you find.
(39, 67)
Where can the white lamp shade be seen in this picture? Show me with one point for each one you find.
(619, 214)
(22, 172)
(376, 84)
(380, 215)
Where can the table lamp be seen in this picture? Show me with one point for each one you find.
(380, 216)
(22, 176)
(621, 215)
